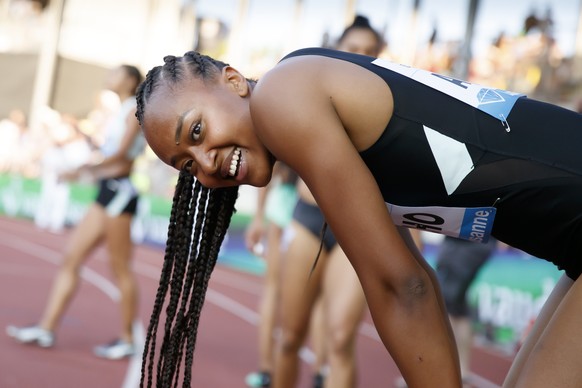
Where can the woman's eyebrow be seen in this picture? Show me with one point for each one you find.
(179, 125)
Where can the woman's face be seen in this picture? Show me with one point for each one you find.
(360, 41)
(205, 128)
(116, 79)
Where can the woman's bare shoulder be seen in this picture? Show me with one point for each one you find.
(287, 90)
(293, 73)
(309, 87)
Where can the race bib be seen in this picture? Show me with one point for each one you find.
(473, 224)
(495, 102)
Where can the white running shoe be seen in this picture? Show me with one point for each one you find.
(32, 335)
(115, 350)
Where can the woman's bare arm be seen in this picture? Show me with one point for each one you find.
(118, 164)
(115, 165)
(298, 122)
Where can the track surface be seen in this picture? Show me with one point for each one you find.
(226, 349)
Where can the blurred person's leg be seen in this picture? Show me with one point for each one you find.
(279, 206)
(318, 341)
(120, 249)
(345, 305)
(87, 234)
(269, 299)
(299, 290)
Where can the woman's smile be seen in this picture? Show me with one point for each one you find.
(234, 162)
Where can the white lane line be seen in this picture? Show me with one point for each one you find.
(232, 306)
(133, 373)
(238, 282)
(134, 370)
(224, 302)
(366, 329)
(54, 257)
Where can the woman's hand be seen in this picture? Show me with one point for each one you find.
(253, 236)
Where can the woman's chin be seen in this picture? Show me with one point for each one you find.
(265, 179)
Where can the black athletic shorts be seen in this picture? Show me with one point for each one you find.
(458, 263)
(311, 217)
(117, 196)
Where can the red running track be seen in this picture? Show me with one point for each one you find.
(226, 349)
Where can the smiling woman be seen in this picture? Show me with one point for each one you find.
(206, 140)
(200, 215)
(372, 140)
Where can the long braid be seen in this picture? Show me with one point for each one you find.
(169, 255)
(196, 257)
(185, 221)
(178, 332)
(217, 215)
(198, 290)
(219, 219)
(198, 225)
(177, 338)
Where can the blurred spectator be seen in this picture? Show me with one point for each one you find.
(12, 129)
(69, 150)
(22, 26)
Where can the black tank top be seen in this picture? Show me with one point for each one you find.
(437, 137)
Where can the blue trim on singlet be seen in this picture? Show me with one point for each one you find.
(495, 102)
(537, 130)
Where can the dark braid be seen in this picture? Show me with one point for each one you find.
(176, 285)
(198, 225)
(150, 343)
(176, 335)
(218, 221)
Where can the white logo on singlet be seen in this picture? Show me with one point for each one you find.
(496, 102)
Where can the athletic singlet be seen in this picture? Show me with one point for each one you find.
(115, 130)
(477, 147)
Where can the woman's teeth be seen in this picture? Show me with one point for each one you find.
(234, 162)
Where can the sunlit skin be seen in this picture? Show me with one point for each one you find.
(333, 283)
(315, 114)
(197, 126)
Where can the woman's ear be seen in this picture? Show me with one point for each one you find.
(236, 80)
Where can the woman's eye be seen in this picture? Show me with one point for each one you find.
(195, 131)
(187, 167)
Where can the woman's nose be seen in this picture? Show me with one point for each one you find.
(206, 160)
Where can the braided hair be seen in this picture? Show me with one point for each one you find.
(199, 220)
